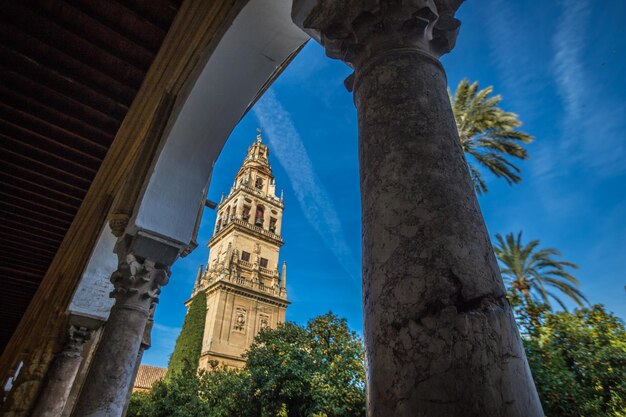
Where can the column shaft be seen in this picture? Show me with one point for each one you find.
(133, 378)
(107, 384)
(61, 375)
(138, 281)
(440, 337)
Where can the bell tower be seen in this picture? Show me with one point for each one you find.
(244, 289)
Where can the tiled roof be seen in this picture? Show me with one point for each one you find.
(148, 375)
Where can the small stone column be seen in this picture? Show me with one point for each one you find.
(62, 373)
(239, 208)
(440, 336)
(146, 343)
(143, 269)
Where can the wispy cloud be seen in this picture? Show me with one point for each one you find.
(569, 43)
(314, 200)
(592, 125)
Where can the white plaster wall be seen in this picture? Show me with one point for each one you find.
(91, 298)
(260, 39)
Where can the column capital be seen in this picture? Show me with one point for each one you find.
(77, 337)
(138, 281)
(357, 30)
(143, 268)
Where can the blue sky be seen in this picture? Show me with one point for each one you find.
(560, 68)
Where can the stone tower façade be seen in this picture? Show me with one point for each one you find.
(244, 289)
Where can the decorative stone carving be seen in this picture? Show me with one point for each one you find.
(241, 315)
(137, 280)
(358, 31)
(264, 321)
(118, 222)
(77, 338)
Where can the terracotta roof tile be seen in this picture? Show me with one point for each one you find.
(148, 375)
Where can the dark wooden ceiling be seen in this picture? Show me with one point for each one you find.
(69, 71)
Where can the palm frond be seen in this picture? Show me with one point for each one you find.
(488, 133)
(528, 265)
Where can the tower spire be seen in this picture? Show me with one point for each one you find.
(259, 138)
(198, 283)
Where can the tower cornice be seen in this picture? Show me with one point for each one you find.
(249, 291)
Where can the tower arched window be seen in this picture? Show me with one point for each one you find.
(258, 218)
(246, 213)
(259, 183)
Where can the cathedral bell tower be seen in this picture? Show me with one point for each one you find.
(244, 289)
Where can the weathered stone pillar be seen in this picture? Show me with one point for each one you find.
(143, 268)
(62, 373)
(440, 337)
(146, 343)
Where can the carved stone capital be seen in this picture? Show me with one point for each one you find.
(357, 30)
(77, 337)
(138, 281)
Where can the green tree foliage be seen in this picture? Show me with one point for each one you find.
(488, 134)
(189, 343)
(178, 396)
(292, 371)
(578, 362)
(531, 272)
(313, 371)
(220, 392)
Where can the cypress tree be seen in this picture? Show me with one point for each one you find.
(189, 342)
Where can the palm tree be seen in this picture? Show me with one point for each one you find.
(532, 272)
(488, 134)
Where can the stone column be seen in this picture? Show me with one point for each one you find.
(143, 269)
(146, 343)
(440, 337)
(239, 205)
(62, 373)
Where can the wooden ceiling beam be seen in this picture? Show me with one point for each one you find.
(37, 202)
(16, 38)
(140, 28)
(85, 137)
(44, 29)
(97, 33)
(26, 66)
(28, 129)
(37, 187)
(33, 88)
(84, 167)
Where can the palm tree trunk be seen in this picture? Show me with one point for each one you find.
(532, 311)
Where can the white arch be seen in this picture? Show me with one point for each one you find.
(252, 50)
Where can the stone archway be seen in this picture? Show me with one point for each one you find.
(440, 336)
